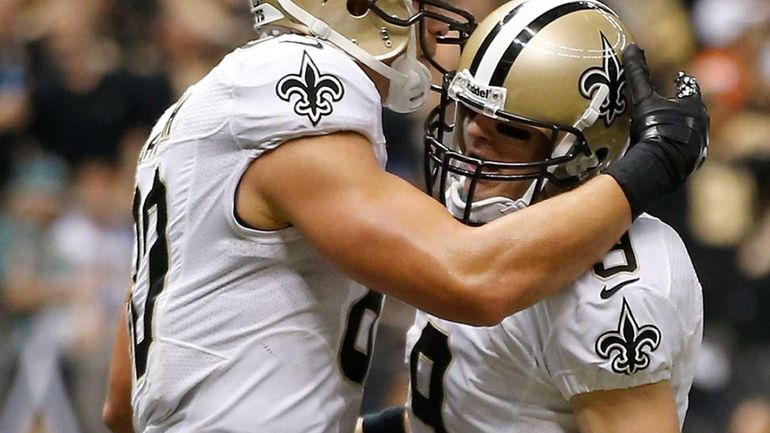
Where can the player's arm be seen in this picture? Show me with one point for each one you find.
(644, 409)
(116, 413)
(388, 235)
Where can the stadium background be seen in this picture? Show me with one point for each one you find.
(81, 81)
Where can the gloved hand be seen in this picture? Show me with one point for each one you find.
(669, 137)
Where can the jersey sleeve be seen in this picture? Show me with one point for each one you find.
(631, 339)
(294, 86)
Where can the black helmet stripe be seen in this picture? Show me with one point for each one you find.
(522, 39)
(524, 21)
(491, 37)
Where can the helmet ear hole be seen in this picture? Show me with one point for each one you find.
(358, 8)
(602, 154)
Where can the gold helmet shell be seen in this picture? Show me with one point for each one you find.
(384, 41)
(380, 34)
(555, 63)
(549, 64)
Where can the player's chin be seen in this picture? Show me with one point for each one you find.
(489, 188)
(424, 60)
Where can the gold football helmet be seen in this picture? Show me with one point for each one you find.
(545, 68)
(381, 34)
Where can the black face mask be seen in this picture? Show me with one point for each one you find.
(461, 24)
(442, 161)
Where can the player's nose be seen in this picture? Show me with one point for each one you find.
(436, 28)
(477, 136)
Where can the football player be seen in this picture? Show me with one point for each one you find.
(263, 210)
(541, 105)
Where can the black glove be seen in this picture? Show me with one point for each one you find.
(669, 137)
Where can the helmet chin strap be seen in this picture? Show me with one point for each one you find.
(409, 80)
(582, 163)
(486, 210)
(410, 90)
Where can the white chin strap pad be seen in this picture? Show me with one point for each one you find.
(482, 211)
(409, 94)
(411, 87)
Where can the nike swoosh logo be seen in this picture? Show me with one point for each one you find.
(606, 294)
(314, 44)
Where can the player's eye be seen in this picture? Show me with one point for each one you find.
(513, 132)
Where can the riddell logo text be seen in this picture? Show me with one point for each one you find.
(478, 91)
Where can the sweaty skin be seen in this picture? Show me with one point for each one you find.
(393, 238)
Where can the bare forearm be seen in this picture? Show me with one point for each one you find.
(386, 234)
(542, 249)
(481, 275)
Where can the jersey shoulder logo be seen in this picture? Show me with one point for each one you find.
(612, 75)
(316, 92)
(630, 345)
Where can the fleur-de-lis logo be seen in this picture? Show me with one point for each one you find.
(612, 75)
(316, 91)
(630, 345)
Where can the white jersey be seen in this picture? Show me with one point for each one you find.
(635, 319)
(235, 329)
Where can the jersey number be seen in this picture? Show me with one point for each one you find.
(157, 256)
(358, 342)
(628, 264)
(430, 352)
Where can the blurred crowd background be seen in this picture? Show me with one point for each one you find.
(82, 81)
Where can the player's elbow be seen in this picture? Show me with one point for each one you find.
(495, 304)
(487, 314)
(116, 417)
(483, 306)
(494, 300)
